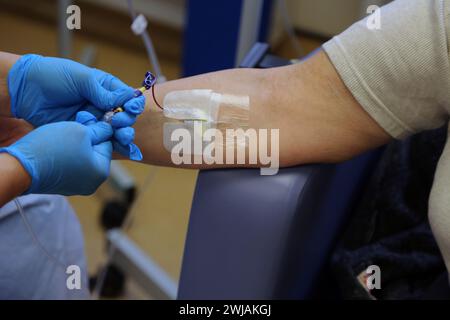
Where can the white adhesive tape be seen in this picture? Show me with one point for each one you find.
(191, 105)
(204, 105)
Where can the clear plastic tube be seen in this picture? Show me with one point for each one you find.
(149, 47)
(35, 238)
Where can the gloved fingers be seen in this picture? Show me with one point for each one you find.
(130, 151)
(124, 136)
(103, 160)
(104, 149)
(114, 83)
(123, 119)
(105, 99)
(135, 152)
(85, 118)
(98, 114)
(135, 106)
(100, 132)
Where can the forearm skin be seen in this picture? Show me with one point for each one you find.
(7, 60)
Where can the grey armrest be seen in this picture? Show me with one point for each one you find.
(266, 237)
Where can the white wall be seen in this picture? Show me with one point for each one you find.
(328, 17)
(170, 12)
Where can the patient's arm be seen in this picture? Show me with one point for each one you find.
(318, 118)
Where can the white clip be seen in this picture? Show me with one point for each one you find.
(139, 25)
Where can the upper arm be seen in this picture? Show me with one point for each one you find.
(318, 117)
(400, 74)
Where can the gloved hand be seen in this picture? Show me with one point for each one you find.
(45, 90)
(65, 158)
(123, 133)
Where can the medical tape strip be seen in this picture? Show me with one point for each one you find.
(199, 105)
(207, 105)
(211, 109)
(234, 110)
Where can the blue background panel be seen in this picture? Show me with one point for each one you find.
(211, 34)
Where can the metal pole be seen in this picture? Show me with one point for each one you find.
(64, 34)
(141, 268)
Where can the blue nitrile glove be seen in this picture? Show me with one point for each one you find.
(124, 136)
(45, 90)
(122, 122)
(65, 158)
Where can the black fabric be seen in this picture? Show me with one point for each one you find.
(390, 227)
(439, 290)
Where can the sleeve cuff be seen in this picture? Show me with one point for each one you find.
(362, 92)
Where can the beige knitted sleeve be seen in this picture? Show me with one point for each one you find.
(400, 74)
